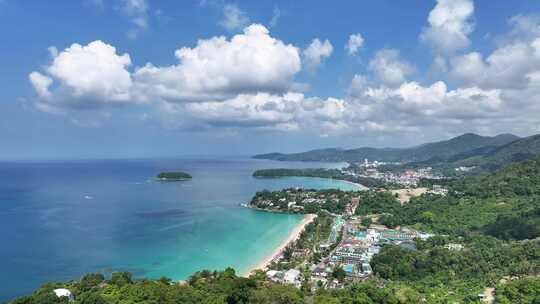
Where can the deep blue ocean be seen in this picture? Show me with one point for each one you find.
(61, 219)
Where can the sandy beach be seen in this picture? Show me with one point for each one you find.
(293, 236)
(360, 186)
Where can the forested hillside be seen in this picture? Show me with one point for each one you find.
(442, 150)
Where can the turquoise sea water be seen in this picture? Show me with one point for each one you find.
(62, 219)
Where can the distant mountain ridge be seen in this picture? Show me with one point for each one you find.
(515, 151)
(464, 146)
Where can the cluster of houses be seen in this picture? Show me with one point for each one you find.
(374, 164)
(295, 200)
(353, 253)
(350, 246)
(408, 178)
(358, 247)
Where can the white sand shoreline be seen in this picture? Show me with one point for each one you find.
(359, 186)
(293, 236)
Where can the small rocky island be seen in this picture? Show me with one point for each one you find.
(173, 176)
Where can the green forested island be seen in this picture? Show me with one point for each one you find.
(485, 237)
(173, 176)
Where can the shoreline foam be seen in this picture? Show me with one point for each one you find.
(293, 236)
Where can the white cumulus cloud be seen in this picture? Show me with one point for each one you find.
(289, 111)
(389, 67)
(515, 64)
(449, 25)
(248, 81)
(85, 76)
(217, 68)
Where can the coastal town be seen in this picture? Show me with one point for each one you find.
(408, 177)
(336, 247)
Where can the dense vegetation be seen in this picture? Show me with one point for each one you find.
(178, 175)
(317, 172)
(486, 159)
(514, 151)
(495, 217)
(442, 150)
(331, 200)
(223, 287)
(440, 272)
(504, 204)
(525, 290)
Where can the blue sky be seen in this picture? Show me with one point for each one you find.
(144, 78)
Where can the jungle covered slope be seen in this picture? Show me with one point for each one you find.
(504, 204)
(494, 217)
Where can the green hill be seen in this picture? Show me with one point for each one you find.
(503, 204)
(436, 151)
(517, 150)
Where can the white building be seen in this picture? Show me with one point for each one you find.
(292, 276)
(62, 292)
